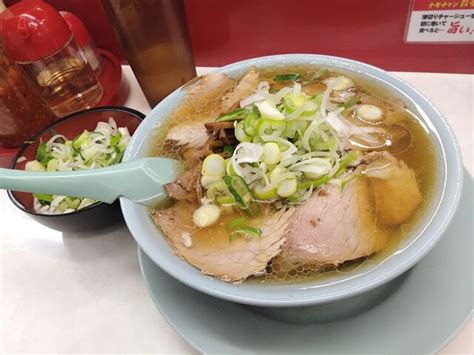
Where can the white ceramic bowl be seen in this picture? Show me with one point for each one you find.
(417, 244)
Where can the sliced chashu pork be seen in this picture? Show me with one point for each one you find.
(187, 186)
(193, 135)
(245, 87)
(200, 93)
(334, 226)
(229, 261)
(394, 186)
(205, 90)
(207, 97)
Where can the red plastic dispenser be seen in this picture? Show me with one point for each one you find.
(37, 37)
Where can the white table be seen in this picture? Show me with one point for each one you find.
(66, 293)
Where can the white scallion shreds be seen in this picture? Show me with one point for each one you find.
(100, 148)
(291, 142)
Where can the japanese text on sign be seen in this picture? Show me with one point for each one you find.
(441, 21)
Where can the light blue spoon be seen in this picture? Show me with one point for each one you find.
(139, 180)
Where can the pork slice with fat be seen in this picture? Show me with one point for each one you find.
(227, 260)
(334, 226)
(191, 135)
(187, 186)
(201, 104)
(207, 97)
(394, 185)
(246, 86)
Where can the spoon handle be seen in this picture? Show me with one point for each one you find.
(138, 180)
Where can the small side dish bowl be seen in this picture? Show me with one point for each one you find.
(418, 243)
(98, 215)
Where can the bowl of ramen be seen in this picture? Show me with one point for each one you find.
(306, 179)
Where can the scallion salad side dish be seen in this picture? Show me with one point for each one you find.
(102, 147)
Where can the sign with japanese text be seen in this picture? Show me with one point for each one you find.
(441, 22)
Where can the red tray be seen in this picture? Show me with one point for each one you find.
(110, 78)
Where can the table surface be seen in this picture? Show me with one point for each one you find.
(73, 293)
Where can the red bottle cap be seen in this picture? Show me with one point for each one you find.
(33, 30)
(79, 30)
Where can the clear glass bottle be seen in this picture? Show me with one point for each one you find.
(38, 38)
(66, 81)
(84, 40)
(22, 111)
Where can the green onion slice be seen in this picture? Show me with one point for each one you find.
(349, 158)
(235, 115)
(287, 77)
(41, 154)
(250, 123)
(247, 232)
(350, 103)
(236, 223)
(44, 198)
(79, 140)
(115, 140)
(314, 183)
(242, 194)
(228, 149)
(239, 189)
(268, 129)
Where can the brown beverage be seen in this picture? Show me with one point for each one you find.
(154, 36)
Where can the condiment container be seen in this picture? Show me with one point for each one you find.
(39, 39)
(22, 111)
(154, 37)
(84, 40)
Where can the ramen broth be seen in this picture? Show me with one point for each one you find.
(419, 156)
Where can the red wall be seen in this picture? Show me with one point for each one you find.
(223, 31)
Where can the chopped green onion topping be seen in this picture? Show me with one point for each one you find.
(44, 198)
(250, 122)
(118, 158)
(239, 189)
(235, 115)
(350, 103)
(236, 223)
(115, 139)
(240, 133)
(290, 144)
(41, 153)
(256, 111)
(246, 232)
(79, 140)
(314, 183)
(102, 147)
(242, 194)
(349, 158)
(228, 149)
(268, 129)
(287, 77)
